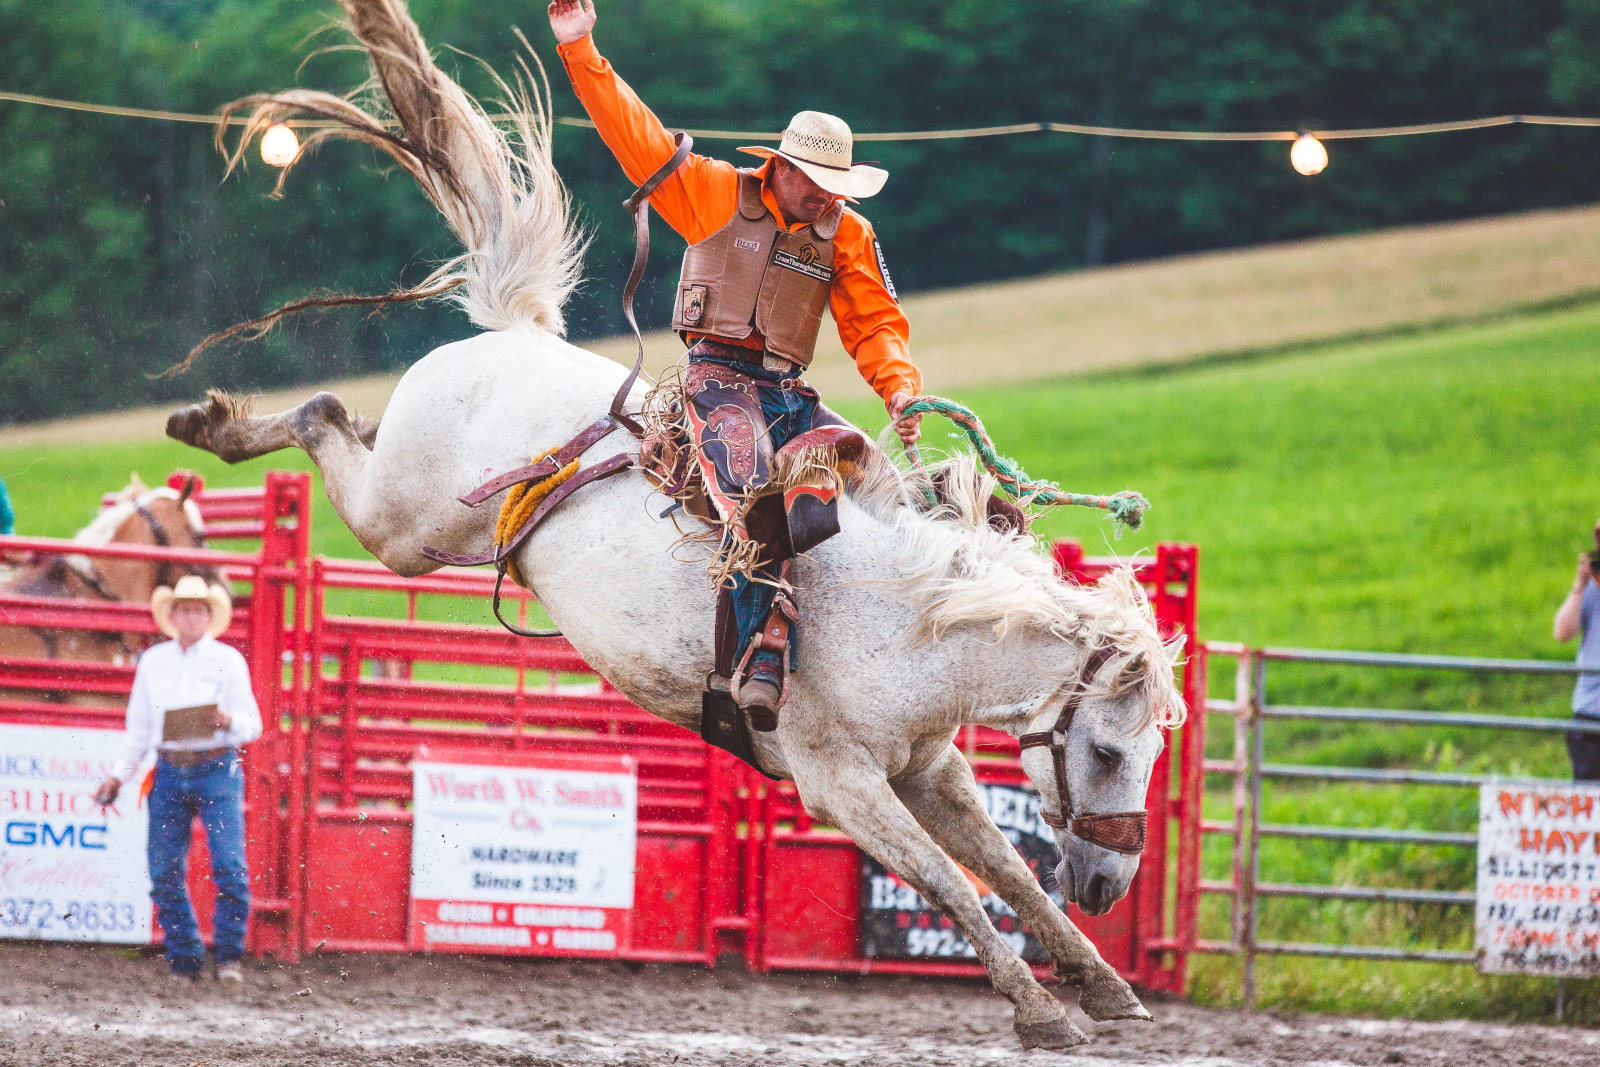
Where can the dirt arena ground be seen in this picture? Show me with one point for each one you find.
(74, 1006)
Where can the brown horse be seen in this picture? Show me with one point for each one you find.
(137, 516)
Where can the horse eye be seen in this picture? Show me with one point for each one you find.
(1108, 757)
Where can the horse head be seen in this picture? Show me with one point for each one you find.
(160, 517)
(1091, 746)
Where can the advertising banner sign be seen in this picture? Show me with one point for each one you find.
(897, 923)
(70, 870)
(1539, 878)
(522, 852)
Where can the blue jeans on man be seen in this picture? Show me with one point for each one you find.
(212, 789)
(790, 407)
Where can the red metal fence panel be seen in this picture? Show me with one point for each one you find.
(727, 861)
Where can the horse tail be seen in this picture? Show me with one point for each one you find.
(499, 193)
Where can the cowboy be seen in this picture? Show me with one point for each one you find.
(193, 704)
(769, 249)
(8, 517)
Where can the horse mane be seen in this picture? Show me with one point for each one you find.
(499, 193)
(963, 572)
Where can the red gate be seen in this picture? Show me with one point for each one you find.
(357, 669)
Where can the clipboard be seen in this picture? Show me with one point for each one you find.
(196, 723)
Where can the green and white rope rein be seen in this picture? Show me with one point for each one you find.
(1126, 507)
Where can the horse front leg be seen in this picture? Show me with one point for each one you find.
(857, 798)
(944, 800)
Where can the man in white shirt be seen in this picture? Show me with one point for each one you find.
(205, 686)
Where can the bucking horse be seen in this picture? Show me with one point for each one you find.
(925, 619)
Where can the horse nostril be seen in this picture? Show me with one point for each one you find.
(1099, 891)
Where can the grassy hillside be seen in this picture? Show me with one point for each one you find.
(1421, 493)
(1138, 315)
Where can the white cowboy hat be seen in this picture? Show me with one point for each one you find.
(191, 587)
(821, 146)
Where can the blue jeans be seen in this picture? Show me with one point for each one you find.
(789, 413)
(214, 790)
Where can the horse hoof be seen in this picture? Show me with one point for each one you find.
(1108, 998)
(1056, 1033)
(189, 424)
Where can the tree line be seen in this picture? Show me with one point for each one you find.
(120, 245)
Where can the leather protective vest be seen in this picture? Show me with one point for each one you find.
(752, 275)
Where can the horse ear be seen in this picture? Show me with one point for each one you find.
(187, 490)
(1173, 650)
(136, 484)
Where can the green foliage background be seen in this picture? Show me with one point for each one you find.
(120, 246)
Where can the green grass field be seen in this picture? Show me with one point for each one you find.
(1428, 493)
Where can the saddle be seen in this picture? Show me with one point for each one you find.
(797, 507)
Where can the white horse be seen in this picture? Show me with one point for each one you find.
(914, 624)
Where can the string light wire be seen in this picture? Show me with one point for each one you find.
(918, 135)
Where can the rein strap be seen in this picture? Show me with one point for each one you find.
(594, 433)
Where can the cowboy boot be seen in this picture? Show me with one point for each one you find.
(762, 692)
(762, 674)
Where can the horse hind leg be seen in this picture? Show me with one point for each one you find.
(225, 426)
(342, 449)
(944, 800)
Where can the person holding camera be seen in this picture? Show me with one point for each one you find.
(1579, 616)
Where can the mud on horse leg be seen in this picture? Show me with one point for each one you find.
(224, 426)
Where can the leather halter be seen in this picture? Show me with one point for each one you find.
(1119, 831)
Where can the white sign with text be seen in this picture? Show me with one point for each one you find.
(70, 870)
(522, 852)
(1539, 878)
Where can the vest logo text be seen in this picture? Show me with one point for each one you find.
(808, 262)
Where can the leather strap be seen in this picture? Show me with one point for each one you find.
(588, 437)
(604, 469)
(639, 205)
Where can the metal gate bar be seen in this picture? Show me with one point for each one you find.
(1249, 772)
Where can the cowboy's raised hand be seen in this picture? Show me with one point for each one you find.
(572, 20)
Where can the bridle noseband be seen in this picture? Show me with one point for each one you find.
(1119, 831)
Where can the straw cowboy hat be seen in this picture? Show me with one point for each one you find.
(821, 146)
(191, 587)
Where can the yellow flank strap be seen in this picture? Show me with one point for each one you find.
(521, 502)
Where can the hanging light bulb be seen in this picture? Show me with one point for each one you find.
(279, 145)
(1308, 156)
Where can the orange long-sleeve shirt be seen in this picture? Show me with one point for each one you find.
(702, 195)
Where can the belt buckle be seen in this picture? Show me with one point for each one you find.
(776, 364)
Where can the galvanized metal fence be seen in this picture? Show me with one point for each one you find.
(1248, 773)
